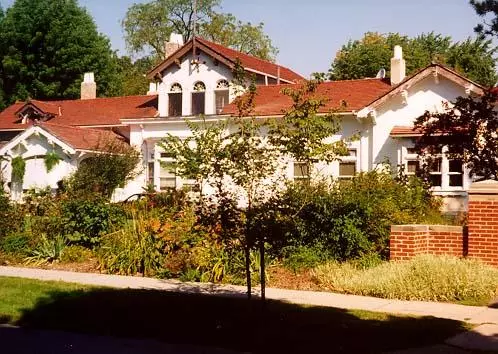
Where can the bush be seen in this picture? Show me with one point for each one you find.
(10, 218)
(86, 220)
(76, 254)
(424, 278)
(349, 219)
(15, 244)
(48, 250)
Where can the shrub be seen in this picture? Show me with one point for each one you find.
(348, 219)
(424, 278)
(15, 244)
(76, 254)
(10, 218)
(86, 220)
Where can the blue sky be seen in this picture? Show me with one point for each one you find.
(309, 33)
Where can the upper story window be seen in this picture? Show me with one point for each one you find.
(221, 95)
(199, 99)
(175, 98)
(301, 171)
(347, 165)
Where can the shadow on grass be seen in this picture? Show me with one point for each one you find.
(232, 322)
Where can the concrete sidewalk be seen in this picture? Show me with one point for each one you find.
(471, 314)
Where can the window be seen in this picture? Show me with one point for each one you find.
(436, 172)
(150, 173)
(175, 98)
(167, 177)
(412, 166)
(455, 173)
(221, 95)
(301, 171)
(347, 165)
(198, 99)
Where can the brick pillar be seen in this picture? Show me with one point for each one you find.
(483, 222)
(408, 241)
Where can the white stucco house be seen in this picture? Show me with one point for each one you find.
(195, 79)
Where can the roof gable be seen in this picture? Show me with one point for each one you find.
(434, 70)
(228, 57)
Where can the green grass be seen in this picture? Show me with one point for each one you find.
(424, 278)
(226, 322)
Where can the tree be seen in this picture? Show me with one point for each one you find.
(226, 30)
(468, 129)
(47, 46)
(148, 25)
(101, 173)
(132, 75)
(363, 58)
(486, 8)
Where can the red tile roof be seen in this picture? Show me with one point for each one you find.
(251, 62)
(404, 131)
(82, 138)
(355, 94)
(99, 111)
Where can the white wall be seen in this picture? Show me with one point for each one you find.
(187, 75)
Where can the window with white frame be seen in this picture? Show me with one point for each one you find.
(175, 98)
(199, 99)
(167, 175)
(445, 170)
(221, 95)
(347, 165)
(301, 171)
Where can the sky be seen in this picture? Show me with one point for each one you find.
(309, 33)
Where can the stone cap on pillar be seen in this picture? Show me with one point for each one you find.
(486, 187)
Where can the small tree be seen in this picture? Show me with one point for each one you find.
(469, 130)
(103, 172)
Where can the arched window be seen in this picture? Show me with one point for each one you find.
(175, 100)
(198, 98)
(221, 95)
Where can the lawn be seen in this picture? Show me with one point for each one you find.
(227, 322)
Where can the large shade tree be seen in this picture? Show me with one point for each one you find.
(46, 47)
(475, 58)
(147, 25)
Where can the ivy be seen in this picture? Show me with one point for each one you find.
(51, 160)
(18, 169)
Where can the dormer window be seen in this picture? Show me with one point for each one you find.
(198, 98)
(175, 98)
(221, 95)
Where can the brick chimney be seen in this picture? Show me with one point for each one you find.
(88, 87)
(175, 42)
(398, 66)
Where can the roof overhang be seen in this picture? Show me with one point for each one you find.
(20, 140)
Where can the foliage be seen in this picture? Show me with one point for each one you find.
(486, 8)
(132, 249)
(102, 173)
(76, 254)
(468, 129)
(9, 217)
(226, 30)
(47, 46)
(85, 221)
(51, 159)
(302, 133)
(348, 219)
(362, 58)
(49, 250)
(18, 165)
(132, 75)
(147, 25)
(423, 278)
(15, 243)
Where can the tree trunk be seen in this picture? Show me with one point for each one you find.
(248, 271)
(262, 270)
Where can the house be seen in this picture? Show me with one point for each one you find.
(196, 79)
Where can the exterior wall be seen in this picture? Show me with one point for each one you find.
(187, 75)
(36, 175)
(408, 241)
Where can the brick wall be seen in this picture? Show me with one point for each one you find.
(410, 240)
(483, 222)
(479, 240)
